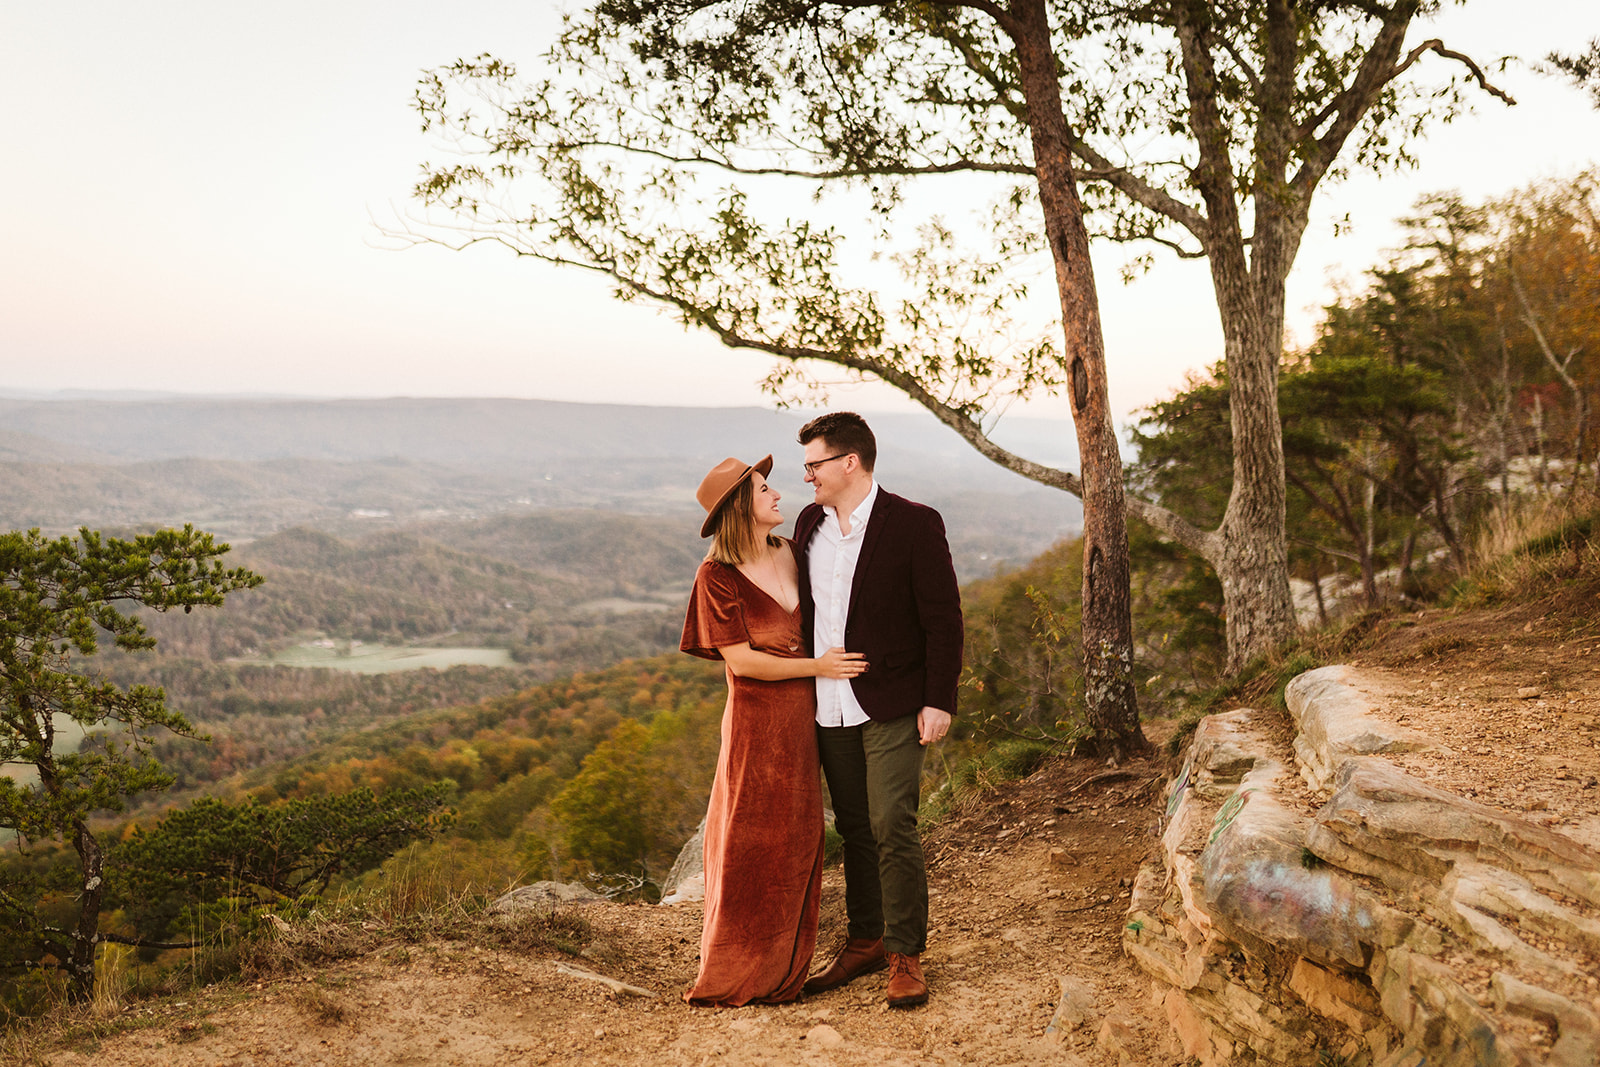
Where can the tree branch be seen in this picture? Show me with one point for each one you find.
(1141, 192)
(1378, 68)
(959, 166)
(1002, 18)
(1476, 72)
(139, 942)
(986, 73)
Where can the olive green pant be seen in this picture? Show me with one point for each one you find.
(874, 774)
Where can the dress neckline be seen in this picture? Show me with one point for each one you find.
(751, 582)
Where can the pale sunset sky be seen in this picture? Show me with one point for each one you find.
(190, 192)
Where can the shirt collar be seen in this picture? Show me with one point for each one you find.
(863, 511)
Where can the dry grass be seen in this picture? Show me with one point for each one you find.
(1532, 545)
(1524, 551)
(1523, 520)
(24, 1047)
(111, 979)
(319, 1004)
(299, 949)
(357, 930)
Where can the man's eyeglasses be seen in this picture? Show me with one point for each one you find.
(811, 468)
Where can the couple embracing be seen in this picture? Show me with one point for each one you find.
(843, 647)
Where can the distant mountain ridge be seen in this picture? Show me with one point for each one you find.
(451, 430)
(246, 468)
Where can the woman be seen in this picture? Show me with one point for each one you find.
(763, 839)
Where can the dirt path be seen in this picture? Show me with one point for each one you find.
(1514, 698)
(1026, 888)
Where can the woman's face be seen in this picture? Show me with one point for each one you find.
(764, 504)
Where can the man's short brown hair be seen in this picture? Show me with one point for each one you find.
(845, 432)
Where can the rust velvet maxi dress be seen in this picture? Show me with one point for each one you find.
(763, 840)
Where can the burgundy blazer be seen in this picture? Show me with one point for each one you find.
(905, 608)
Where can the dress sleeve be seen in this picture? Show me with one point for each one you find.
(716, 616)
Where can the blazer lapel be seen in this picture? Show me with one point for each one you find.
(876, 522)
(805, 527)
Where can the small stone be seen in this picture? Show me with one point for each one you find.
(1528, 692)
(825, 1036)
(1116, 1037)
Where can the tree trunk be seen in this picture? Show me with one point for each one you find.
(1109, 693)
(1253, 564)
(1369, 509)
(1253, 558)
(1316, 586)
(86, 938)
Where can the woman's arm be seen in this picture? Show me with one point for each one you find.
(746, 662)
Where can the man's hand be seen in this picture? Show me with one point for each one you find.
(933, 724)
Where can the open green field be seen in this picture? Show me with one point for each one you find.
(69, 735)
(382, 659)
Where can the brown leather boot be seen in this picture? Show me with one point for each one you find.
(907, 988)
(858, 957)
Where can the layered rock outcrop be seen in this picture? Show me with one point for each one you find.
(1313, 903)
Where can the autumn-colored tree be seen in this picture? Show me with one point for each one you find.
(1469, 354)
(610, 810)
(1545, 275)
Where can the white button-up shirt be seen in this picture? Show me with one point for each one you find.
(832, 560)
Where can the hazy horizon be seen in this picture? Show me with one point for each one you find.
(198, 214)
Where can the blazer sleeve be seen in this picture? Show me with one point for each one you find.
(715, 618)
(938, 600)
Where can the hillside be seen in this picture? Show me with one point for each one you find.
(508, 582)
(1027, 888)
(1032, 886)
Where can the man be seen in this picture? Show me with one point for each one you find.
(877, 579)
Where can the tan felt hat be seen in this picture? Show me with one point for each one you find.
(719, 485)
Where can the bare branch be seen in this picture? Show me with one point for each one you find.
(975, 63)
(1141, 192)
(959, 166)
(1379, 67)
(1473, 70)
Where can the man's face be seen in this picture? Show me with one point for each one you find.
(828, 471)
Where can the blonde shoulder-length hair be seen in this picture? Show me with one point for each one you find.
(733, 533)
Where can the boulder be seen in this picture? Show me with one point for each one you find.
(1261, 891)
(1382, 822)
(543, 895)
(1336, 722)
(1470, 945)
(686, 882)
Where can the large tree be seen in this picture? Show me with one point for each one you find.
(1203, 127)
(59, 598)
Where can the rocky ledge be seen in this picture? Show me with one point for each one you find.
(1312, 903)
